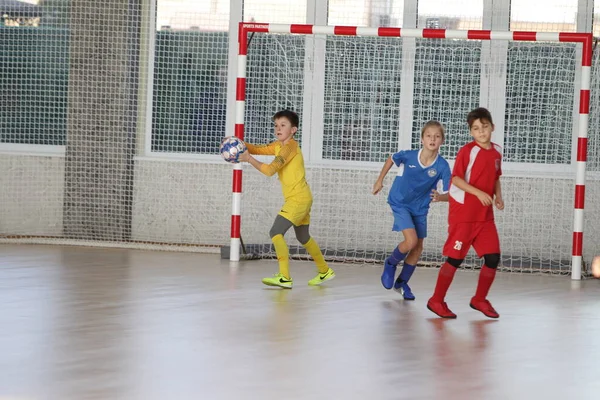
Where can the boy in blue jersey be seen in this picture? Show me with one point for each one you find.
(423, 177)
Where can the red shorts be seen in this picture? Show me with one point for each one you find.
(483, 236)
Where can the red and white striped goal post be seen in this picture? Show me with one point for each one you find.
(586, 39)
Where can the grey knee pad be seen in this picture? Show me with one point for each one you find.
(280, 226)
(302, 234)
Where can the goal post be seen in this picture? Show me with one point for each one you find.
(582, 86)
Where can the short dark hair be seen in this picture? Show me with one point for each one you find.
(481, 114)
(290, 115)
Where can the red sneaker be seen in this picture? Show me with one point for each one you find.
(440, 308)
(485, 307)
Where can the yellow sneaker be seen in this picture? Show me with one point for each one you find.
(317, 280)
(278, 280)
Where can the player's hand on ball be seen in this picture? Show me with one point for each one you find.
(499, 203)
(484, 198)
(377, 187)
(244, 157)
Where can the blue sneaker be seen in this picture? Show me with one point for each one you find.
(389, 273)
(402, 287)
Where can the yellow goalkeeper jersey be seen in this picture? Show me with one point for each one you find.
(289, 165)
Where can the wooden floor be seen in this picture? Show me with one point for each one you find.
(87, 323)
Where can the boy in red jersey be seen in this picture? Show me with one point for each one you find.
(475, 187)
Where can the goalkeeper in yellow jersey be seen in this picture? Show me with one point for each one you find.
(289, 166)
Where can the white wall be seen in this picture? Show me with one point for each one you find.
(190, 203)
(31, 195)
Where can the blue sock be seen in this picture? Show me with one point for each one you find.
(396, 257)
(407, 271)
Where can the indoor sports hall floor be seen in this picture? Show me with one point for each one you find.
(89, 323)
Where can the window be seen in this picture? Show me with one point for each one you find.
(275, 69)
(190, 76)
(539, 84)
(549, 16)
(34, 39)
(450, 14)
(362, 83)
(447, 72)
(366, 13)
(539, 109)
(362, 98)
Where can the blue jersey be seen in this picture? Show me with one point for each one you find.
(414, 183)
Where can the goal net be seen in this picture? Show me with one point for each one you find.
(363, 95)
(112, 116)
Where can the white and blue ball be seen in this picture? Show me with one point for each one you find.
(231, 148)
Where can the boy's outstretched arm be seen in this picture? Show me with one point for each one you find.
(246, 157)
(498, 201)
(286, 153)
(384, 170)
(483, 197)
(261, 149)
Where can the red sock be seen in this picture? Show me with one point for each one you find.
(486, 278)
(443, 282)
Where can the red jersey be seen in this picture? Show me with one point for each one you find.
(481, 168)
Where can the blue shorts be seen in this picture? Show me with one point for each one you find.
(403, 219)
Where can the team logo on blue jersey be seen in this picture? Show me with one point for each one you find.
(432, 172)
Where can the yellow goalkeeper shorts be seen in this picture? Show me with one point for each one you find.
(298, 213)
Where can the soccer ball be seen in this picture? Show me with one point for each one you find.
(231, 148)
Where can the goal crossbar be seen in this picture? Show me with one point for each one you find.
(586, 40)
